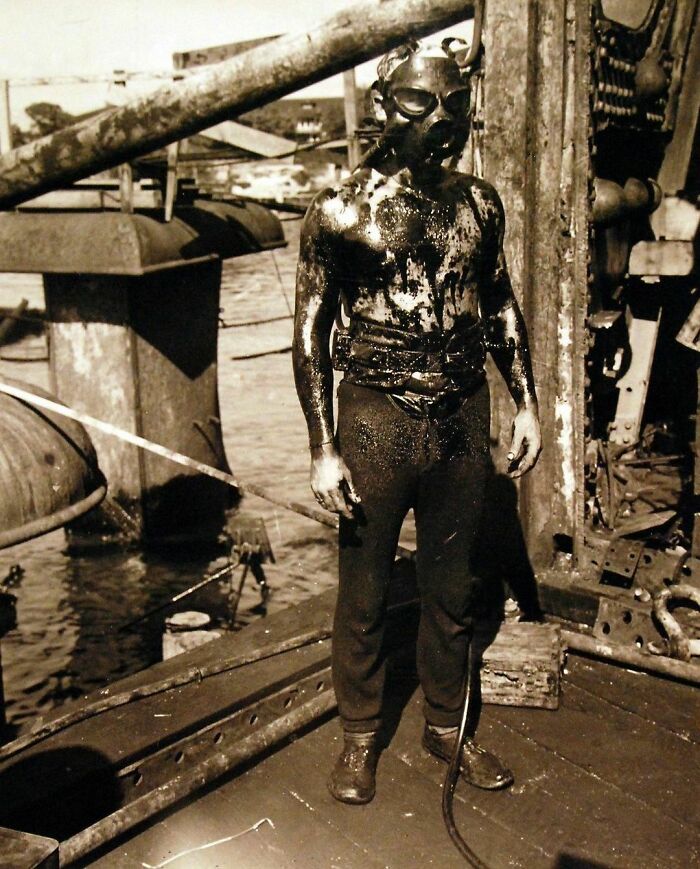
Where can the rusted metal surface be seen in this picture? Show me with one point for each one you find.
(25, 851)
(48, 467)
(536, 153)
(156, 381)
(684, 100)
(677, 645)
(623, 557)
(154, 771)
(625, 623)
(110, 243)
(230, 88)
(118, 288)
(114, 243)
(505, 40)
(226, 759)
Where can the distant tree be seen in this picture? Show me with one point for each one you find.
(280, 117)
(48, 117)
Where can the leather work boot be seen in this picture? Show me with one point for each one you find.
(352, 779)
(479, 767)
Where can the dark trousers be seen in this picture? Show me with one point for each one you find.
(438, 467)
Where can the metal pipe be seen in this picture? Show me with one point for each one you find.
(225, 90)
(188, 782)
(621, 655)
(54, 520)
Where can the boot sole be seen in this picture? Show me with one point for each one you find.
(350, 800)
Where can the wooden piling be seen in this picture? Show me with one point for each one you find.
(5, 122)
(350, 101)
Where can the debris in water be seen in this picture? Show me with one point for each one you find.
(14, 576)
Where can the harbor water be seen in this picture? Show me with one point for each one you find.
(67, 641)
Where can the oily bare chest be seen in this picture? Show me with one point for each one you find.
(413, 255)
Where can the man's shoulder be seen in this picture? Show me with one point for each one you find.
(334, 206)
(483, 194)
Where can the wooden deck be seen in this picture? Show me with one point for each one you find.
(610, 779)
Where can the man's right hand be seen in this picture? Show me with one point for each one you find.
(331, 481)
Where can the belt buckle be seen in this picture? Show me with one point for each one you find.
(436, 407)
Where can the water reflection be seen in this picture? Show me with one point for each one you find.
(70, 609)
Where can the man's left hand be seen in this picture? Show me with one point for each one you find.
(526, 443)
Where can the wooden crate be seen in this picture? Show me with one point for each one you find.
(522, 665)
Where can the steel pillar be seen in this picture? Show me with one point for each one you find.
(140, 352)
(536, 154)
(132, 307)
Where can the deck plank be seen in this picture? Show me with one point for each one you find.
(655, 767)
(664, 703)
(553, 804)
(584, 815)
(299, 837)
(403, 826)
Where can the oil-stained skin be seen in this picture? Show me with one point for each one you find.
(423, 254)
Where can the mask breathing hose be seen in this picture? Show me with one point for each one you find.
(453, 769)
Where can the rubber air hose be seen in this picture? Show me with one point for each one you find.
(453, 770)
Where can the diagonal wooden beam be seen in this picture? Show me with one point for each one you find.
(219, 93)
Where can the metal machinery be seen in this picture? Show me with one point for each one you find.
(591, 142)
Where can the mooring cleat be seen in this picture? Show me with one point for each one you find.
(478, 767)
(353, 777)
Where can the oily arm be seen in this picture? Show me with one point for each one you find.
(317, 298)
(504, 321)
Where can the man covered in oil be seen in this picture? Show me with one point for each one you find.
(413, 254)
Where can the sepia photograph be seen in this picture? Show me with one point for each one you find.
(349, 464)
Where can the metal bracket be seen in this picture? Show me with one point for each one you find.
(265, 715)
(677, 645)
(622, 558)
(633, 386)
(625, 623)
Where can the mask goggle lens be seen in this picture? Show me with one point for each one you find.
(458, 102)
(419, 103)
(414, 102)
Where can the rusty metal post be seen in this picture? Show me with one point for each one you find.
(226, 90)
(132, 307)
(536, 154)
(140, 352)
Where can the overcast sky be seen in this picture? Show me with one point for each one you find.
(92, 37)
